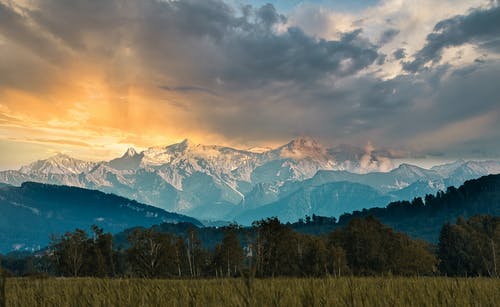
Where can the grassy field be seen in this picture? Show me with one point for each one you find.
(259, 292)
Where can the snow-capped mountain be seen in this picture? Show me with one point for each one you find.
(130, 160)
(214, 182)
(461, 170)
(58, 164)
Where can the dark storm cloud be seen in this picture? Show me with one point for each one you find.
(408, 110)
(204, 40)
(381, 59)
(249, 76)
(434, 102)
(480, 27)
(399, 53)
(295, 56)
(268, 16)
(16, 28)
(387, 36)
(29, 58)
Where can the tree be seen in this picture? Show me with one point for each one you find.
(196, 256)
(101, 258)
(276, 248)
(314, 259)
(337, 262)
(181, 259)
(151, 253)
(470, 248)
(69, 252)
(229, 255)
(373, 248)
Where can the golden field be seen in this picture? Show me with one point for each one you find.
(344, 291)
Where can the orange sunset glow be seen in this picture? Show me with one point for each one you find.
(93, 81)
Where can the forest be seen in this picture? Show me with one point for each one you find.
(364, 247)
(400, 255)
(452, 233)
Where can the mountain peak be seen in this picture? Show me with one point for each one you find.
(131, 152)
(303, 142)
(58, 164)
(187, 142)
(302, 147)
(129, 161)
(409, 170)
(59, 156)
(182, 146)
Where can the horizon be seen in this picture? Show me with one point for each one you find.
(422, 162)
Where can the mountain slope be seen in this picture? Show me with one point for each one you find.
(331, 199)
(215, 182)
(58, 164)
(419, 220)
(205, 181)
(31, 213)
(424, 218)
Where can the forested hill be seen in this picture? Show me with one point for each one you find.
(423, 218)
(31, 213)
(420, 218)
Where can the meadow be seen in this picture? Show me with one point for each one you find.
(344, 291)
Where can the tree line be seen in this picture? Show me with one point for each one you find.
(424, 217)
(365, 246)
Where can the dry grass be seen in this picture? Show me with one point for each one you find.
(383, 291)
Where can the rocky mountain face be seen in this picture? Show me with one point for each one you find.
(217, 182)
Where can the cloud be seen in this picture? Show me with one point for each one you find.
(17, 28)
(480, 27)
(399, 53)
(188, 89)
(54, 141)
(152, 72)
(295, 56)
(387, 36)
(203, 39)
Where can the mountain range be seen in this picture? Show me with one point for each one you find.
(33, 212)
(214, 182)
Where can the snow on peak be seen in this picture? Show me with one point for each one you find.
(131, 152)
(258, 149)
(181, 147)
(468, 167)
(448, 168)
(409, 170)
(302, 147)
(58, 164)
(303, 142)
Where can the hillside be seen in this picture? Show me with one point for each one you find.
(330, 199)
(420, 218)
(29, 214)
(423, 218)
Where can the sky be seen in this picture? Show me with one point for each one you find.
(92, 78)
